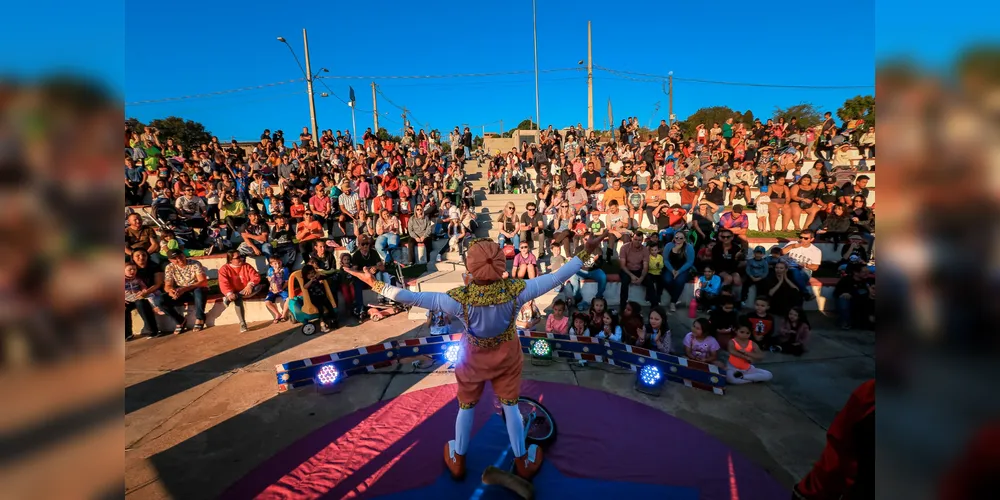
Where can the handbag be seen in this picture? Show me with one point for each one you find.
(509, 252)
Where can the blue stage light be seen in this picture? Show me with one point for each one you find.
(649, 380)
(452, 352)
(650, 375)
(327, 375)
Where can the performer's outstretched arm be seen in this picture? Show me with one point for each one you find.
(539, 286)
(536, 287)
(434, 301)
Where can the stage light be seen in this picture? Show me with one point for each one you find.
(452, 352)
(649, 380)
(541, 352)
(327, 375)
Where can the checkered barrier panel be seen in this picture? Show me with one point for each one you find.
(369, 358)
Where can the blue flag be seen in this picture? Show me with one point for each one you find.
(352, 93)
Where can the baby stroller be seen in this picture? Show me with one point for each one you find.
(301, 307)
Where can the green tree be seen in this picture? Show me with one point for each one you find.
(187, 133)
(807, 114)
(134, 125)
(525, 124)
(858, 107)
(748, 118)
(708, 116)
(384, 135)
(477, 142)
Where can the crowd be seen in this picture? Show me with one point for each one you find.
(385, 201)
(790, 177)
(292, 202)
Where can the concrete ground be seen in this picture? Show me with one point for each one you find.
(202, 408)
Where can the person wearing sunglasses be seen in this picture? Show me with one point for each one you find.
(803, 258)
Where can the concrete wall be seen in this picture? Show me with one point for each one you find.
(504, 144)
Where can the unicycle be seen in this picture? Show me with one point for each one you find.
(539, 426)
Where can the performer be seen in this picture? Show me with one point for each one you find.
(491, 351)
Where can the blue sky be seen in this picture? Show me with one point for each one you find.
(188, 48)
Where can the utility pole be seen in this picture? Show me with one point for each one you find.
(590, 81)
(670, 80)
(309, 84)
(534, 32)
(501, 128)
(404, 122)
(375, 107)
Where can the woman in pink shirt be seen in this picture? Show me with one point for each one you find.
(524, 263)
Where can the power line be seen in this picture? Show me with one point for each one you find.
(452, 75)
(624, 74)
(212, 94)
(401, 108)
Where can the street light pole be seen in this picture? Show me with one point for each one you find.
(590, 82)
(534, 32)
(309, 85)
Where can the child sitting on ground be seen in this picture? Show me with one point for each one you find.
(631, 322)
(743, 351)
(609, 327)
(597, 308)
(439, 322)
(525, 263)
(277, 286)
(761, 322)
(724, 319)
(528, 317)
(313, 285)
(793, 334)
(581, 325)
(700, 345)
(557, 322)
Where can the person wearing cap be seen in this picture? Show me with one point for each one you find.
(184, 280)
(757, 270)
(490, 350)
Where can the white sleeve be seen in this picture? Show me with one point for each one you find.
(617, 337)
(433, 301)
(537, 287)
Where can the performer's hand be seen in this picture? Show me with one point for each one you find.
(364, 277)
(593, 243)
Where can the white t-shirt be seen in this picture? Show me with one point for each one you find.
(615, 167)
(803, 256)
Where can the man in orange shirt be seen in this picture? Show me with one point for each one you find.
(616, 193)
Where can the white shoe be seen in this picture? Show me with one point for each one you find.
(673, 307)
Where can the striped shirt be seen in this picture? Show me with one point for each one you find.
(349, 203)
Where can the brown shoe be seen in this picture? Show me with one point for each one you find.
(527, 466)
(454, 462)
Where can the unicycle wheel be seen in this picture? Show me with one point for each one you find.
(542, 430)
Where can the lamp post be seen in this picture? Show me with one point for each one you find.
(534, 33)
(307, 72)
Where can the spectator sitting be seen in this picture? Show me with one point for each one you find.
(528, 317)
(364, 260)
(237, 281)
(420, 229)
(170, 242)
(557, 322)
(708, 288)
(313, 285)
(581, 325)
(387, 228)
(761, 322)
(736, 221)
(794, 332)
(742, 352)
(615, 194)
(757, 270)
(277, 283)
(700, 344)
(254, 234)
(782, 290)
(724, 319)
(184, 281)
(803, 259)
(140, 237)
(525, 263)
(609, 327)
(282, 240)
(836, 225)
(619, 227)
(508, 226)
(439, 322)
(532, 228)
(135, 299)
(855, 303)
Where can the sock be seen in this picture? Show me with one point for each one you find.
(515, 429)
(463, 430)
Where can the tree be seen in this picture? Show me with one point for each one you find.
(187, 133)
(748, 118)
(384, 135)
(477, 142)
(708, 116)
(807, 114)
(525, 124)
(858, 107)
(134, 125)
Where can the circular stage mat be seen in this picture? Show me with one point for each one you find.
(608, 447)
